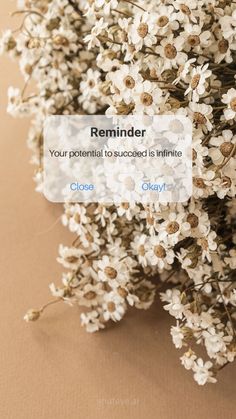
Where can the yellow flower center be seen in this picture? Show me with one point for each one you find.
(223, 46)
(146, 99)
(122, 292)
(159, 251)
(141, 250)
(193, 40)
(193, 220)
(185, 9)
(60, 40)
(199, 183)
(111, 306)
(110, 272)
(233, 104)
(142, 30)
(170, 51)
(90, 295)
(195, 81)
(199, 118)
(129, 82)
(172, 227)
(226, 148)
(162, 21)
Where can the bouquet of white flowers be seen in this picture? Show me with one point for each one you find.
(149, 57)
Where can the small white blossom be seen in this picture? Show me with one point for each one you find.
(202, 372)
(230, 100)
(174, 304)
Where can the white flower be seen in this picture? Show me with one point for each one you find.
(112, 271)
(113, 307)
(16, 107)
(197, 84)
(223, 146)
(127, 48)
(75, 218)
(174, 306)
(198, 220)
(195, 38)
(91, 321)
(215, 341)
(102, 214)
(165, 19)
(69, 257)
(89, 295)
(107, 63)
(231, 260)
(140, 247)
(171, 50)
(159, 254)
(65, 39)
(148, 98)
(206, 319)
(126, 293)
(188, 358)
(7, 42)
(186, 11)
(230, 99)
(202, 373)
(208, 244)
(222, 50)
(201, 114)
(56, 291)
(184, 70)
(142, 31)
(105, 5)
(91, 239)
(92, 38)
(177, 335)
(228, 25)
(124, 82)
(202, 182)
(173, 228)
(89, 86)
(127, 209)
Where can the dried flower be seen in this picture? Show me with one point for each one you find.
(112, 57)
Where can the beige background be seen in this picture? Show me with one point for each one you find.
(53, 369)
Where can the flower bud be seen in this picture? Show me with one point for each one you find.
(32, 315)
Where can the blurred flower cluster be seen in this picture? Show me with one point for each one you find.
(143, 57)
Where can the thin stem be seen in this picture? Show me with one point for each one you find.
(104, 39)
(226, 308)
(122, 13)
(76, 8)
(50, 303)
(28, 12)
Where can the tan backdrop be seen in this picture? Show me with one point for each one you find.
(53, 369)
